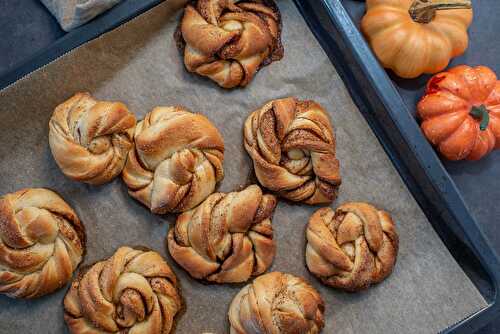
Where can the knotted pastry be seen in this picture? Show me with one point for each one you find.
(227, 238)
(292, 145)
(277, 303)
(229, 40)
(41, 243)
(176, 162)
(353, 247)
(134, 291)
(90, 139)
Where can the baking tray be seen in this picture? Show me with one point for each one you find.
(388, 104)
(476, 259)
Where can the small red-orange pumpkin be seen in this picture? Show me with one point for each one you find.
(460, 112)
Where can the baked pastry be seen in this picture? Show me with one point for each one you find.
(134, 291)
(353, 247)
(176, 161)
(277, 303)
(90, 139)
(227, 238)
(41, 243)
(292, 145)
(229, 40)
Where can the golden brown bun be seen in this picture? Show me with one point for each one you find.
(133, 290)
(90, 139)
(353, 247)
(227, 238)
(228, 41)
(292, 145)
(41, 243)
(176, 161)
(277, 303)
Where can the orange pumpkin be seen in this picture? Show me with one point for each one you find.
(413, 37)
(460, 112)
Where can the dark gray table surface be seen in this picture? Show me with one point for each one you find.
(26, 27)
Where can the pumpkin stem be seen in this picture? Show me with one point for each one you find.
(423, 11)
(481, 113)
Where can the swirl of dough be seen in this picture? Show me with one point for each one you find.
(228, 40)
(41, 243)
(277, 303)
(227, 238)
(176, 161)
(90, 139)
(353, 247)
(292, 145)
(134, 291)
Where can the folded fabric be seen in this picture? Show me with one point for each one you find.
(74, 13)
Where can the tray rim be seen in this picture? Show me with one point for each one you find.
(130, 9)
(113, 18)
(365, 62)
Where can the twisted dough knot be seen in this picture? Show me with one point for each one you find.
(41, 243)
(292, 146)
(226, 239)
(353, 247)
(133, 291)
(277, 303)
(90, 139)
(228, 40)
(177, 160)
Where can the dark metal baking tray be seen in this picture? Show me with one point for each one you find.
(387, 105)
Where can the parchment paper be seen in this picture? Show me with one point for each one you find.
(139, 64)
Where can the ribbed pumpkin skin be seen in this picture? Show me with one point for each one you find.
(445, 112)
(410, 48)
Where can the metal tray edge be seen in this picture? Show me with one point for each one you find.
(113, 18)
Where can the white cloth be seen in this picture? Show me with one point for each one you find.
(74, 13)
